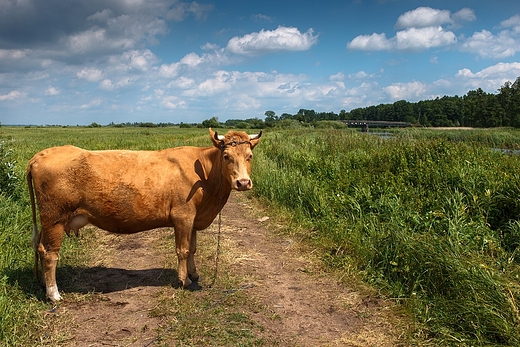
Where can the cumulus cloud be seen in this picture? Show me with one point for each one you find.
(490, 78)
(423, 17)
(487, 45)
(417, 39)
(374, 42)
(513, 22)
(409, 91)
(500, 70)
(422, 29)
(279, 40)
(411, 39)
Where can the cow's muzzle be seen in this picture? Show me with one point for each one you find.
(244, 184)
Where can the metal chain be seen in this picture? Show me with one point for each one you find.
(217, 255)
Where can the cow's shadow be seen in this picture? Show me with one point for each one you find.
(99, 279)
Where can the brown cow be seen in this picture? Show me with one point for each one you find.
(131, 191)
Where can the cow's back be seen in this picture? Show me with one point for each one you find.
(116, 190)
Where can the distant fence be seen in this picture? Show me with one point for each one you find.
(365, 124)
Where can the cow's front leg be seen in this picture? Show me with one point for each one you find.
(183, 235)
(192, 270)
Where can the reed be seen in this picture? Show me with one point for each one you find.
(429, 219)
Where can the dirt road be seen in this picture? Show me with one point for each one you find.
(119, 299)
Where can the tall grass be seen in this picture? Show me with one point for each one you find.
(431, 221)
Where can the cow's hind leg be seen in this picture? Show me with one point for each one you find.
(48, 249)
(192, 270)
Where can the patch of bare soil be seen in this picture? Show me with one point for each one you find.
(302, 305)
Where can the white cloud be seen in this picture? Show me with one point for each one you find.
(52, 91)
(513, 22)
(487, 45)
(411, 39)
(169, 70)
(500, 70)
(107, 84)
(374, 42)
(93, 103)
(422, 29)
(191, 59)
(279, 40)
(12, 95)
(173, 102)
(417, 39)
(340, 76)
(90, 74)
(261, 18)
(409, 91)
(423, 17)
(463, 16)
(490, 78)
(141, 60)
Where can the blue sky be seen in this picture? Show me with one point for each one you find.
(78, 62)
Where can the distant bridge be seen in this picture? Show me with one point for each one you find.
(365, 124)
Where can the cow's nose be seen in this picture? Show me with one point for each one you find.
(244, 184)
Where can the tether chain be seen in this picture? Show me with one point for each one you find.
(217, 255)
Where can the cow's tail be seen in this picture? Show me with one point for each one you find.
(36, 235)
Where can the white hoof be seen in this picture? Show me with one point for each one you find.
(53, 294)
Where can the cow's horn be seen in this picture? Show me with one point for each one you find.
(219, 137)
(252, 137)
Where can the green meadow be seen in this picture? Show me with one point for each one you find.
(428, 218)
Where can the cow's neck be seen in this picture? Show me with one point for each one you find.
(217, 186)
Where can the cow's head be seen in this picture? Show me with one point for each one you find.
(236, 150)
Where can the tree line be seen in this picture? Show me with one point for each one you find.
(474, 109)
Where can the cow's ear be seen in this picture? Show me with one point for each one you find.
(215, 138)
(255, 139)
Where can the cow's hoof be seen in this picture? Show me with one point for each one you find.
(193, 287)
(53, 294)
(186, 283)
(194, 277)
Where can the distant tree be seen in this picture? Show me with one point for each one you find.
(211, 123)
(270, 119)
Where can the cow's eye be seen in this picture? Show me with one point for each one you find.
(226, 156)
(250, 157)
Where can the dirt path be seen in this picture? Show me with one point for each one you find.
(112, 302)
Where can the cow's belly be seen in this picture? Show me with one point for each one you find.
(119, 226)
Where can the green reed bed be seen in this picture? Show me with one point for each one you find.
(431, 221)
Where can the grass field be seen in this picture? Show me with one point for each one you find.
(429, 218)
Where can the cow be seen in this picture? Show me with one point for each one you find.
(127, 192)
